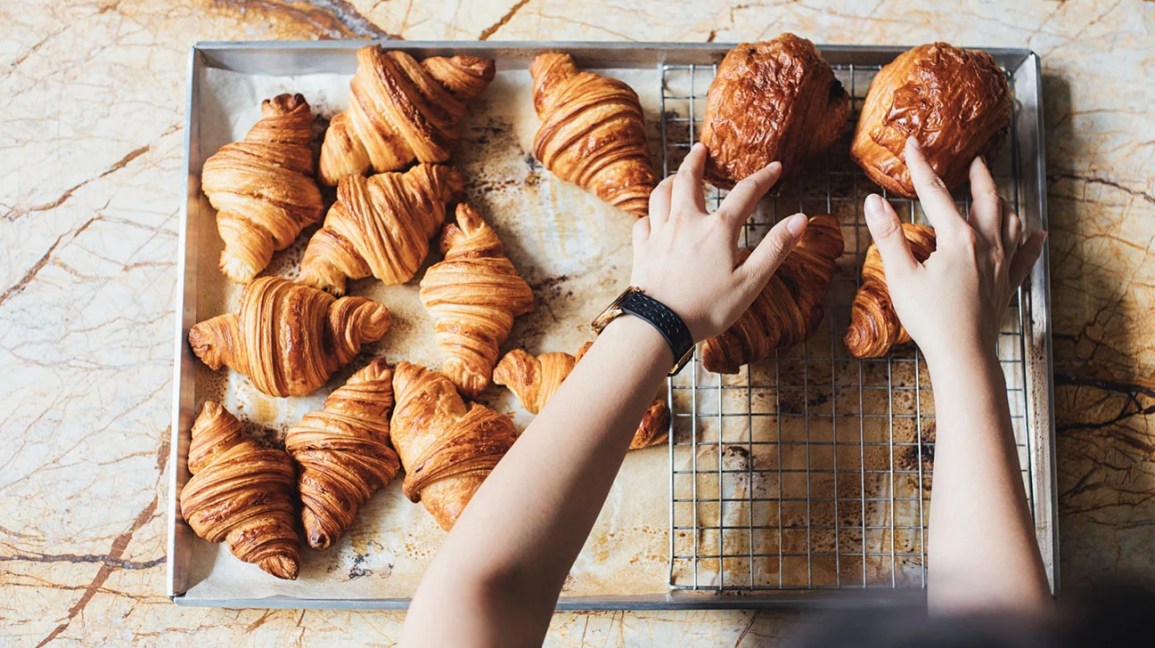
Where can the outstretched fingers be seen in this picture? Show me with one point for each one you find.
(774, 248)
(986, 207)
(1026, 257)
(687, 188)
(744, 197)
(886, 230)
(932, 192)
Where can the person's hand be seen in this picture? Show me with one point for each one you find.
(954, 301)
(687, 258)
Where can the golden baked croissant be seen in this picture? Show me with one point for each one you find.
(447, 448)
(788, 309)
(288, 338)
(592, 132)
(535, 379)
(241, 492)
(774, 100)
(263, 188)
(399, 110)
(473, 296)
(343, 453)
(380, 225)
(874, 326)
(956, 102)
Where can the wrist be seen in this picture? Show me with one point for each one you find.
(960, 358)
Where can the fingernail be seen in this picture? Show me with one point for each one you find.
(912, 142)
(873, 205)
(697, 147)
(774, 166)
(796, 224)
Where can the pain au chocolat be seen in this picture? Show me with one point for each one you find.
(955, 102)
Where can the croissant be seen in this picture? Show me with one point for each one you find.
(400, 110)
(874, 326)
(343, 453)
(288, 338)
(535, 379)
(775, 100)
(956, 102)
(447, 448)
(473, 296)
(242, 493)
(262, 187)
(592, 132)
(379, 225)
(788, 309)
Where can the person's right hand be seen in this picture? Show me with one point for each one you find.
(953, 301)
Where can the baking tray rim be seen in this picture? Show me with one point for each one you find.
(656, 53)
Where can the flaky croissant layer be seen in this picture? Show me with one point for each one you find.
(263, 188)
(592, 132)
(241, 493)
(288, 338)
(473, 296)
(344, 454)
(401, 110)
(874, 325)
(448, 448)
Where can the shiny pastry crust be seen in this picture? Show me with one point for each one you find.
(774, 100)
(956, 102)
(788, 309)
(592, 132)
(401, 110)
(473, 296)
(343, 453)
(535, 379)
(241, 493)
(263, 188)
(874, 326)
(288, 338)
(447, 447)
(380, 225)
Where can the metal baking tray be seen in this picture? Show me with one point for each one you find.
(804, 479)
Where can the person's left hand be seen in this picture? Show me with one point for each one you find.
(686, 257)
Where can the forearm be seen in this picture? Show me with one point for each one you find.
(556, 477)
(982, 547)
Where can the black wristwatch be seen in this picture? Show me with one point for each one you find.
(635, 302)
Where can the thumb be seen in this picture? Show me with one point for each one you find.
(773, 249)
(886, 230)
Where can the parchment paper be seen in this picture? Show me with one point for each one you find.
(571, 248)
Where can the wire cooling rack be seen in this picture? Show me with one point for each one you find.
(812, 469)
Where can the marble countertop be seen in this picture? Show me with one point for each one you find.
(92, 102)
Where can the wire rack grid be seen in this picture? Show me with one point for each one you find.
(812, 469)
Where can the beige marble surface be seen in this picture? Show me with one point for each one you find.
(91, 113)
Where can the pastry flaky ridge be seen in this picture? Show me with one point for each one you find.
(400, 110)
(448, 448)
(288, 338)
(343, 453)
(380, 226)
(788, 309)
(535, 379)
(771, 101)
(241, 493)
(955, 102)
(874, 325)
(592, 132)
(473, 296)
(263, 188)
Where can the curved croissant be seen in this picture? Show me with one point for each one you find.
(263, 188)
(874, 326)
(534, 380)
(788, 309)
(288, 338)
(955, 102)
(380, 225)
(400, 110)
(343, 453)
(473, 296)
(592, 132)
(242, 493)
(447, 448)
